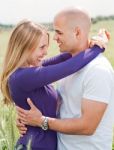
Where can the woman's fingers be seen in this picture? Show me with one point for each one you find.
(21, 127)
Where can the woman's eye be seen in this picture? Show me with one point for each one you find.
(42, 47)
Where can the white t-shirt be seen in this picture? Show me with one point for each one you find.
(95, 82)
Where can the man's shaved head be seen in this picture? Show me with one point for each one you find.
(75, 17)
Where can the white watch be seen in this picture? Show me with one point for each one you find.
(44, 124)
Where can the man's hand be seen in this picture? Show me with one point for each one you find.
(101, 39)
(31, 117)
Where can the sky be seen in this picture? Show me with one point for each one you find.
(12, 11)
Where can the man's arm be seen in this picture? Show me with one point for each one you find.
(92, 113)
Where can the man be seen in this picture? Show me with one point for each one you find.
(86, 112)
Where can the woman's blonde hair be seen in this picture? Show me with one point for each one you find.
(24, 39)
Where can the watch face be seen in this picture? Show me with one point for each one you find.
(45, 124)
(44, 127)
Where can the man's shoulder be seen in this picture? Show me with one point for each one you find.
(100, 62)
(100, 67)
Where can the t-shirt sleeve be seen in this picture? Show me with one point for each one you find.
(97, 84)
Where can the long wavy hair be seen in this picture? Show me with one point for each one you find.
(24, 39)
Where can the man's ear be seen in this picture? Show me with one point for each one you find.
(77, 32)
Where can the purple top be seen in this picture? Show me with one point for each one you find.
(34, 83)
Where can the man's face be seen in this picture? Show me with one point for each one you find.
(64, 35)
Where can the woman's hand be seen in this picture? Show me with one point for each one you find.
(21, 127)
(101, 39)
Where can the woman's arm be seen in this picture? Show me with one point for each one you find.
(56, 59)
(36, 77)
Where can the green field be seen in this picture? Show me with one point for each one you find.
(8, 131)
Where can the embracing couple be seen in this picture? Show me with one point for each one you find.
(84, 98)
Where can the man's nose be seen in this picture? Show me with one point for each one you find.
(55, 37)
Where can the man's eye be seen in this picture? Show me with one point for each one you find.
(60, 33)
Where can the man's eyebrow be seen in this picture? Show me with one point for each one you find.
(58, 31)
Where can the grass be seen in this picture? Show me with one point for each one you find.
(8, 130)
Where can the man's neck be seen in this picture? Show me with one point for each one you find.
(80, 49)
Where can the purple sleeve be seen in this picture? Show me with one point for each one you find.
(56, 59)
(37, 77)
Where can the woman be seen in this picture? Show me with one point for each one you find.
(24, 76)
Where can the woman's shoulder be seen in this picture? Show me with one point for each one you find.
(22, 73)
